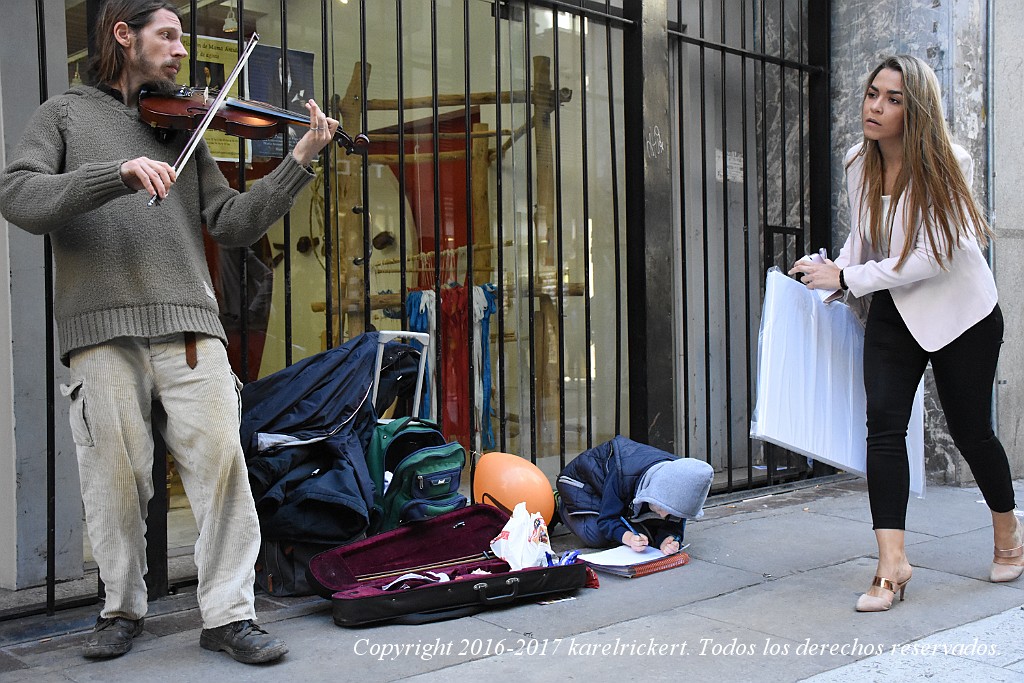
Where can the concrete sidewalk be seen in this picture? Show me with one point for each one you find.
(768, 596)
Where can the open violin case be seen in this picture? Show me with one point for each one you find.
(369, 581)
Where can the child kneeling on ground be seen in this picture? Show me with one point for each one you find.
(627, 492)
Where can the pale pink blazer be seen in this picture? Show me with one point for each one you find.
(937, 305)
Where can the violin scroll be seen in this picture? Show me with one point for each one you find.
(357, 145)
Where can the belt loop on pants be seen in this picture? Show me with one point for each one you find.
(191, 358)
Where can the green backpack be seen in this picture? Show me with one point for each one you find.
(425, 473)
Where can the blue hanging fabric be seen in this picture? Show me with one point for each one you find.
(486, 430)
(420, 313)
(419, 321)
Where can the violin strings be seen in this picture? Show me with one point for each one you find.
(264, 108)
(262, 105)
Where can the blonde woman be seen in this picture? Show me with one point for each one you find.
(915, 245)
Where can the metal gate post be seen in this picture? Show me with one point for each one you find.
(819, 126)
(649, 225)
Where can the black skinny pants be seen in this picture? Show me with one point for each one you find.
(964, 371)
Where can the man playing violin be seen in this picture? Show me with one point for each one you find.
(137, 318)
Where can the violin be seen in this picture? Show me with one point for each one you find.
(237, 117)
(186, 109)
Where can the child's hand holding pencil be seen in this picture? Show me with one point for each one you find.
(631, 538)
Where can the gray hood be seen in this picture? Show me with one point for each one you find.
(680, 487)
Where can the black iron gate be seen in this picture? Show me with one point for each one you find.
(751, 83)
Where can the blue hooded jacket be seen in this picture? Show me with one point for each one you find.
(602, 481)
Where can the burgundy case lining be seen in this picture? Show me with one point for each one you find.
(456, 539)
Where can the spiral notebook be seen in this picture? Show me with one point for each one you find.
(624, 561)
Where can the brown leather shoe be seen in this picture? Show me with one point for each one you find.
(243, 640)
(111, 637)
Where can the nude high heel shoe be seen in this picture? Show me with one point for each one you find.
(1002, 572)
(873, 603)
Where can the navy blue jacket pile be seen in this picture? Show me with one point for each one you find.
(305, 430)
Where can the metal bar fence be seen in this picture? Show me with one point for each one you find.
(776, 179)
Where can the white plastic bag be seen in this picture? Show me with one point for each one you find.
(523, 542)
(810, 381)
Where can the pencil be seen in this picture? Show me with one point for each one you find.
(628, 526)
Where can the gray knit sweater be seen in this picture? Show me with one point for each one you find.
(122, 268)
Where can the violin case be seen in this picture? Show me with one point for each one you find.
(457, 544)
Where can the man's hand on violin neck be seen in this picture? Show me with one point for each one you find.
(155, 177)
(321, 132)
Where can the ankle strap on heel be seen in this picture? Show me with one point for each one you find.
(885, 584)
(1007, 554)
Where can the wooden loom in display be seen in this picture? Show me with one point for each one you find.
(348, 304)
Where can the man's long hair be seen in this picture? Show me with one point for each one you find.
(106, 64)
(938, 199)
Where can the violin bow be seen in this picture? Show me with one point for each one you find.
(218, 102)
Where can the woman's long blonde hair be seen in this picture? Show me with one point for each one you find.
(938, 199)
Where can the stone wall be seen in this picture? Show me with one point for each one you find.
(1007, 119)
(952, 38)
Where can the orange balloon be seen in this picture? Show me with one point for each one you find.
(503, 480)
